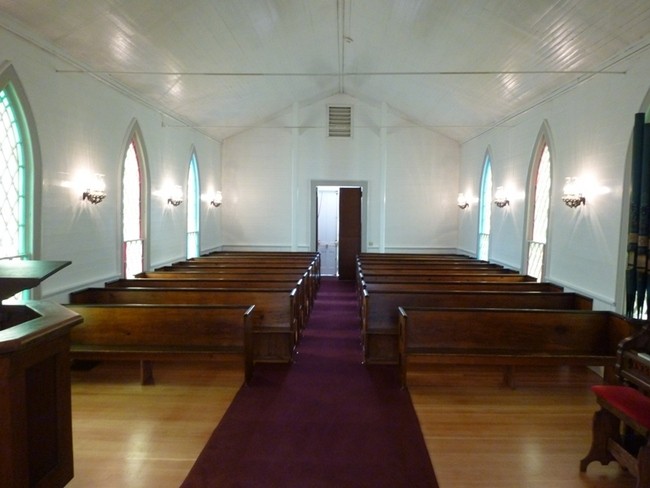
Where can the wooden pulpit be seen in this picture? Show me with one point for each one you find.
(35, 403)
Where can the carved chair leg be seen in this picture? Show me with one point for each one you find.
(605, 426)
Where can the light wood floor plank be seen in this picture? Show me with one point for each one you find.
(478, 432)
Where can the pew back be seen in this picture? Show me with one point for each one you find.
(163, 332)
(511, 336)
(274, 308)
(380, 311)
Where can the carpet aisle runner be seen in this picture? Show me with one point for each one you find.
(325, 421)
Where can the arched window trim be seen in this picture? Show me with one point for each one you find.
(134, 135)
(193, 241)
(544, 140)
(485, 202)
(10, 83)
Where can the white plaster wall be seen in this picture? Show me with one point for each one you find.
(422, 191)
(82, 124)
(257, 189)
(413, 170)
(590, 128)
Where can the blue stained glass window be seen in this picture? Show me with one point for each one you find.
(485, 211)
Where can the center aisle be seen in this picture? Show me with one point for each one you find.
(325, 421)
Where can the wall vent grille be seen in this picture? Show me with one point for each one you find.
(340, 121)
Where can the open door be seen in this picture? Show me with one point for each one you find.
(327, 228)
(349, 231)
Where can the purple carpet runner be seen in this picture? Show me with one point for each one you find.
(325, 421)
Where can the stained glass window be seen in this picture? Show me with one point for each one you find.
(133, 258)
(485, 211)
(193, 209)
(12, 182)
(541, 204)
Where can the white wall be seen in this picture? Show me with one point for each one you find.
(411, 172)
(591, 128)
(82, 124)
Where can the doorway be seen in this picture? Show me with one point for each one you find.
(328, 229)
(338, 229)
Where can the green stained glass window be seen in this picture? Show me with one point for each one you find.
(12, 182)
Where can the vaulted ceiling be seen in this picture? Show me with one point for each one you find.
(458, 67)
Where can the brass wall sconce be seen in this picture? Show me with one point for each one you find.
(95, 191)
(571, 193)
(216, 199)
(176, 196)
(500, 197)
(462, 201)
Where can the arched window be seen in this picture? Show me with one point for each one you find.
(485, 211)
(193, 209)
(16, 174)
(540, 199)
(132, 212)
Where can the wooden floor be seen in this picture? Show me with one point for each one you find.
(479, 433)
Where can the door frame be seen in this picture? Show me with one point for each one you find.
(313, 245)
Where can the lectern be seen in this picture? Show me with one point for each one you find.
(35, 404)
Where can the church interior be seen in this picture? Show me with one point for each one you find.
(363, 138)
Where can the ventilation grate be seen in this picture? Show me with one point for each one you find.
(340, 121)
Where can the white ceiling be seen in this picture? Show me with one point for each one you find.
(456, 66)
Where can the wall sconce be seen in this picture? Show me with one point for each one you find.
(216, 199)
(462, 201)
(500, 197)
(95, 190)
(175, 197)
(571, 193)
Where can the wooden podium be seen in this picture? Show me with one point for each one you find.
(35, 404)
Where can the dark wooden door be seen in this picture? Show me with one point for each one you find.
(349, 231)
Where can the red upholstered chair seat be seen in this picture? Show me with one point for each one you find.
(628, 400)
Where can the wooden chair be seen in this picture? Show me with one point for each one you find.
(621, 428)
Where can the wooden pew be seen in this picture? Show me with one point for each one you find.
(380, 311)
(312, 279)
(474, 286)
(304, 293)
(254, 260)
(510, 337)
(452, 276)
(621, 428)
(418, 266)
(362, 278)
(435, 273)
(313, 258)
(379, 286)
(275, 308)
(163, 332)
(368, 256)
(309, 277)
(236, 265)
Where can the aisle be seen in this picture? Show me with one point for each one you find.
(325, 421)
